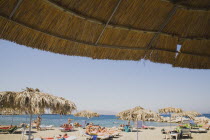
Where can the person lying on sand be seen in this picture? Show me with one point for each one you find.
(59, 137)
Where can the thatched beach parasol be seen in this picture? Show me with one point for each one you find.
(190, 114)
(86, 113)
(129, 114)
(32, 101)
(136, 114)
(170, 110)
(113, 29)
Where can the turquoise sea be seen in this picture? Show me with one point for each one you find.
(57, 120)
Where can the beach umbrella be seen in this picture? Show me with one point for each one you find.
(86, 113)
(153, 114)
(190, 114)
(32, 101)
(142, 115)
(129, 114)
(170, 110)
(135, 114)
(108, 29)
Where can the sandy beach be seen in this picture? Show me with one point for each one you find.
(144, 134)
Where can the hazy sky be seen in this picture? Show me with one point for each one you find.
(105, 86)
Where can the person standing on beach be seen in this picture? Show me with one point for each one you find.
(39, 119)
(69, 121)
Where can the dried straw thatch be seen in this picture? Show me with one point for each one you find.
(113, 29)
(137, 113)
(170, 110)
(87, 114)
(9, 111)
(129, 114)
(190, 114)
(32, 101)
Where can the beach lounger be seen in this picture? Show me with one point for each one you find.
(176, 135)
(42, 127)
(103, 137)
(185, 132)
(8, 129)
(46, 127)
(202, 130)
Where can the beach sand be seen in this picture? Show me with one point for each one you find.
(143, 135)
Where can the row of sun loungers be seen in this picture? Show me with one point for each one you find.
(185, 130)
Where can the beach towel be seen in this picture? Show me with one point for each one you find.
(127, 128)
(94, 137)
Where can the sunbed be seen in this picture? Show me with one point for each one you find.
(185, 132)
(9, 129)
(46, 127)
(42, 127)
(202, 130)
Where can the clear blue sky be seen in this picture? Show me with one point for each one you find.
(105, 86)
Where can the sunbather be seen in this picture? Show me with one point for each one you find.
(58, 137)
(38, 123)
(76, 124)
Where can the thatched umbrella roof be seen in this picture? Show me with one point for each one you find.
(113, 29)
(145, 114)
(9, 111)
(128, 114)
(190, 114)
(137, 113)
(170, 110)
(32, 101)
(87, 114)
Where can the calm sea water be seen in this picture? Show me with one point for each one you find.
(57, 120)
